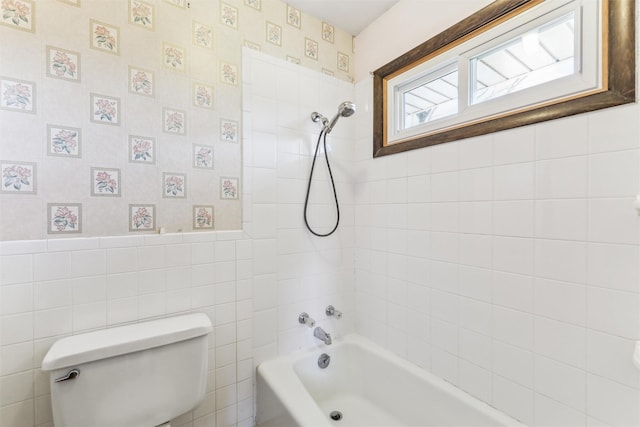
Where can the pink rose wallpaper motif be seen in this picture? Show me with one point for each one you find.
(141, 81)
(173, 57)
(105, 182)
(343, 62)
(142, 217)
(311, 49)
(252, 45)
(256, 4)
(63, 64)
(104, 37)
(18, 178)
(17, 95)
(294, 16)
(203, 217)
(228, 73)
(229, 188)
(142, 149)
(202, 35)
(64, 141)
(202, 156)
(64, 218)
(174, 121)
(229, 15)
(328, 32)
(18, 14)
(174, 185)
(274, 34)
(229, 130)
(105, 109)
(202, 95)
(141, 14)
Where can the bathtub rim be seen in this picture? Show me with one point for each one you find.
(280, 376)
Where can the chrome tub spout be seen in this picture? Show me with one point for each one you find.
(322, 335)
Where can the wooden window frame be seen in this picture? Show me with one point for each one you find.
(619, 75)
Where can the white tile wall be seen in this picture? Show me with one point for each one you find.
(294, 271)
(526, 244)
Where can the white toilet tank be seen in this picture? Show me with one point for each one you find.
(139, 375)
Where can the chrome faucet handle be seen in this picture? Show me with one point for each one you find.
(304, 319)
(331, 311)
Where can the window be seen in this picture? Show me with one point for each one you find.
(513, 63)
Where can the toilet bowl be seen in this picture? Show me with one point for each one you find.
(140, 375)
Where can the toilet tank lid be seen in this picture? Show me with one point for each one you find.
(91, 346)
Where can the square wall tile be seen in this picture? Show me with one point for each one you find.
(514, 218)
(88, 263)
(561, 219)
(564, 383)
(564, 137)
(551, 412)
(16, 299)
(560, 341)
(562, 178)
(51, 266)
(614, 312)
(513, 327)
(613, 129)
(445, 157)
(608, 356)
(514, 145)
(612, 402)
(513, 363)
(16, 358)
(17, 328)
(513, 291)
(563, 301)
(614, 266)
(476, 152)
(513, 399)
(573, 267)
(613, 221)
(513, 255)
(514, 182)
(50, 323)
(614, 174)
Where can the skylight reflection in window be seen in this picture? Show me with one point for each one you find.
(431, 101)
(539, 56)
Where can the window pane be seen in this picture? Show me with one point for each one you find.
(539, 56)
(431, 101)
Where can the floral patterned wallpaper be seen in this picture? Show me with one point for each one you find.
(124, 116)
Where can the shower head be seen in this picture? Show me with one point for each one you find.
(345, 109)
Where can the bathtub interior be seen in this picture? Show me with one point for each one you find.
(375, 388)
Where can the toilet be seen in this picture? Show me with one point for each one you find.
(140, 375)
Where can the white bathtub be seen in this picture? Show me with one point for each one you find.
(370, 387)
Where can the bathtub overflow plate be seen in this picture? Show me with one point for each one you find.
(323, 360)
(335, 415)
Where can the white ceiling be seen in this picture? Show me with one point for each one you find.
(352, 16)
